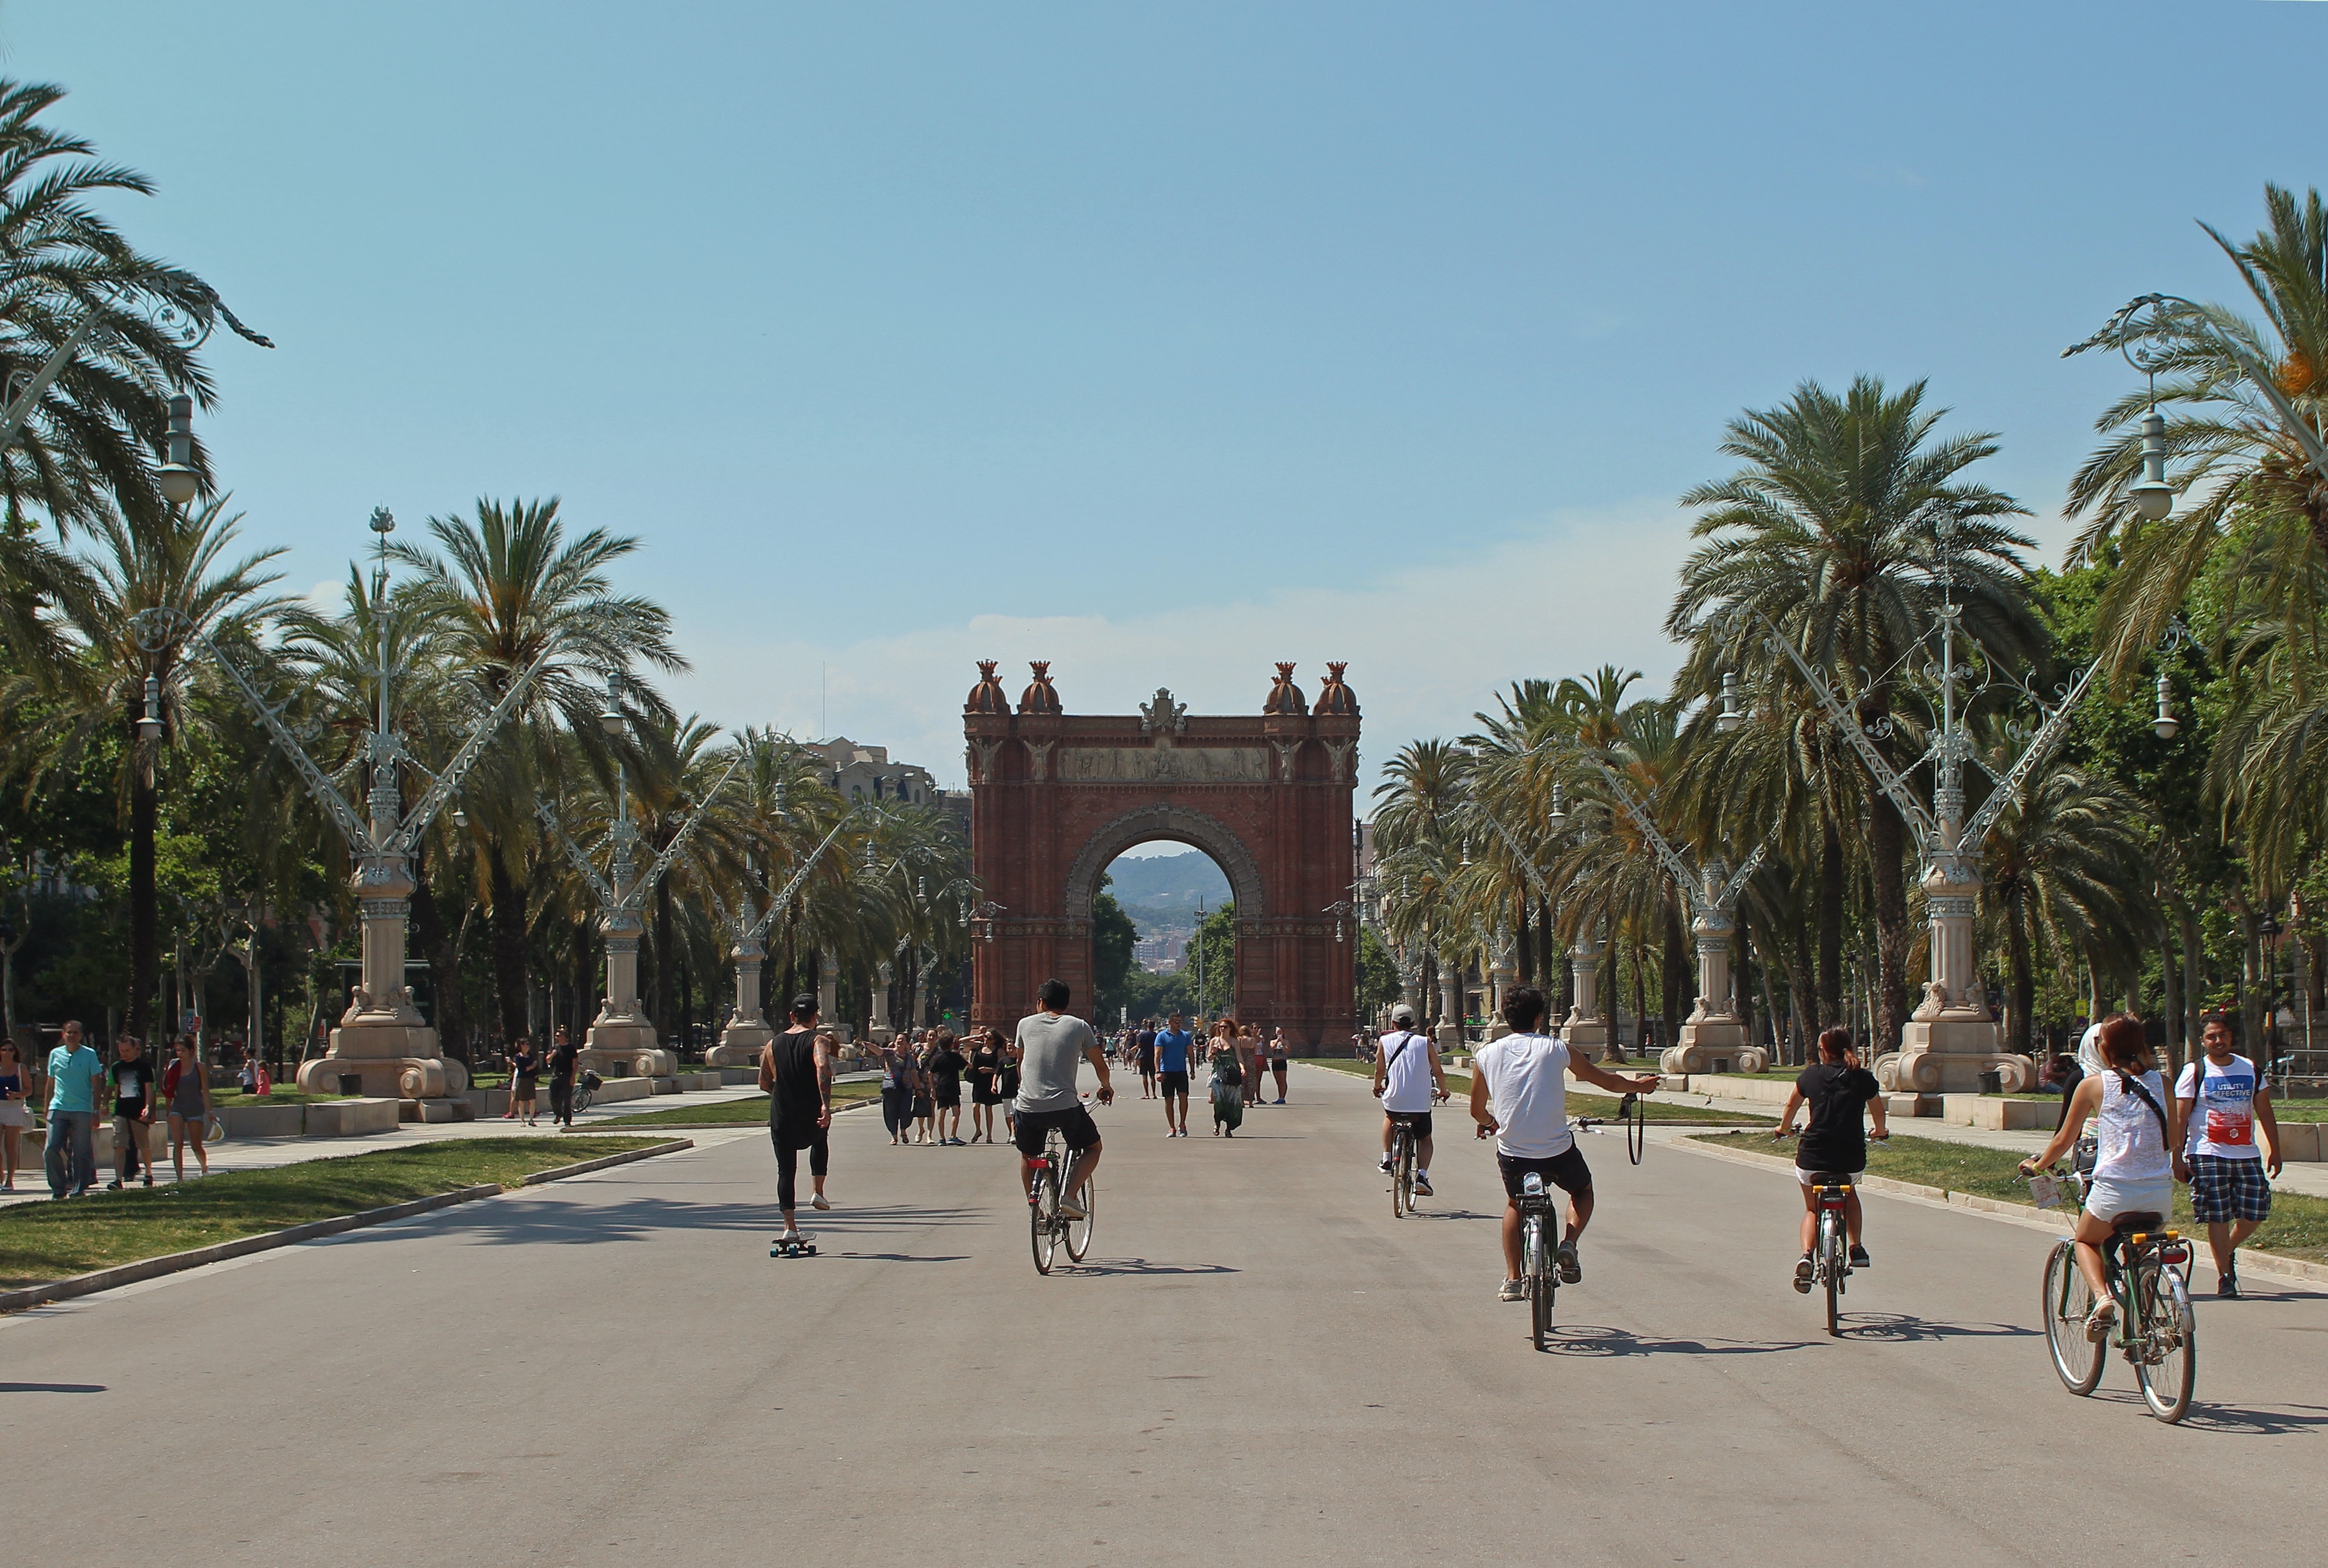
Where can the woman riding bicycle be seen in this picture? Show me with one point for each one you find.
(2135, 1132)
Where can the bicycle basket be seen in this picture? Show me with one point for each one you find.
(2087, 1152)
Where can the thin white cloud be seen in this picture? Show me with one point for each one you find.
(1427, 646)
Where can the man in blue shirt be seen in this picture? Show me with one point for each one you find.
(1172, 1075)
(74, 1075)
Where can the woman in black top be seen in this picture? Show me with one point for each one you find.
(985, 1085)
(796, 1075)
(525, 1073)
(1836, 1089)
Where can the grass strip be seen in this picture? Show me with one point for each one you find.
(753, 1112)
(40, 1242)
(2297, 1228)
(1657, 1112)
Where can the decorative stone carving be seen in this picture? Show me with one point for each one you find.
(1163, 719)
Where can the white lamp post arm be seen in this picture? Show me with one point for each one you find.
(2193, 319)
(1903, 799)
(1512, 844)
(636, 896)
(157, 628)
(1727, 899)
(782, 900)
(440, 794)
(574, 856)
(2008, 788)
(19, 407)
(1673, 863)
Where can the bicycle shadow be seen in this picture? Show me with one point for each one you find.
(1899, 1328)
(1142, 1266)
(2231, 1420)
(1589, 1339)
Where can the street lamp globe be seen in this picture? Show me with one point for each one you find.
(1732, 713)
(2165, 725)
(2154, 497)
(149, 723)
(613, 719)
(176, 479)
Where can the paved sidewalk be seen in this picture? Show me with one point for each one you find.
(266, 1153)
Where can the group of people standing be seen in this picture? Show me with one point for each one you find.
(526, 1067)
(1242, 1061)
(924, 1073)
(138, 1097)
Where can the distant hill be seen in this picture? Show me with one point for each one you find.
(1160, 892)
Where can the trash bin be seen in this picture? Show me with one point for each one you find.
(1992, 1082)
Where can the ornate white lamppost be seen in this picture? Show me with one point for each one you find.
(740, 1042)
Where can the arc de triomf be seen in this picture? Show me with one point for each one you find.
(1055, 796)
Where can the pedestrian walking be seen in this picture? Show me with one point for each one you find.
(16, 1113)
(1143, 1046)
(898, 1075)
(2230, 1150)
(1248, 1045)
(131, 1079)
(925, 1104)
(563, 1058)
(525, 1071)
(186, 1089)
(1278, 1060)
(1172, 1076)
(1224, 1054)
(796, 1075)
(75, 1076)
(946, 1067)
(985, 1084)
(1009, 1087)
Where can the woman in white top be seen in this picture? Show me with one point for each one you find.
(2136, 1128)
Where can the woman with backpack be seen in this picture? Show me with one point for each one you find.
(2135, 1130)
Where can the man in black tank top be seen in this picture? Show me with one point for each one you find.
(797, 1076)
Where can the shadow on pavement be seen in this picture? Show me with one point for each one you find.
(1875, 1326)
(638, 1218)
(907, 1257)
(53, 1388)
(2230, 1420)
(1142, 1266)
(1589, 1339)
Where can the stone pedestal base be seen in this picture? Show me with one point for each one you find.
(621, 1050)
(739, 1045)
(1589, 1040)
(1447, 1038)
(393, 1060)
(880, 1034)
(1947, 1056)
(1712, 1046)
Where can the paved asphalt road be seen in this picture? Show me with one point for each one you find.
(1258, 1364)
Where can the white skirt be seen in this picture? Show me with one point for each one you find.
(2106, 1197)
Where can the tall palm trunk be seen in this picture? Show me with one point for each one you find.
(1830, 920)
(145, 808)
(1887, 847)
(662, 1013)
(1679, 982)
(431, 937)
(506, 932)
(2019, 978)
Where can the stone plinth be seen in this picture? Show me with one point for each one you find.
(626, 1048)
(392, 1058)
(1714, 1045)
(1948, 1056)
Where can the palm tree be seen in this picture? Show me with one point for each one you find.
(83, 451)
(1846, 529)
(508, 588)
(2238, 455)
(178, 562)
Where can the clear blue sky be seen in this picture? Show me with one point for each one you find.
(1162, 341)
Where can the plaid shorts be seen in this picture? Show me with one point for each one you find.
(2224, 1189)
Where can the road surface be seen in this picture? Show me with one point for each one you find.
(1258, 1364)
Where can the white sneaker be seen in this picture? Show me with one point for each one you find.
(1513, 1291)
(819, 1202)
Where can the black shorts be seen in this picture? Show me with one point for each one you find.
(1147, 1064)
(1418, 1120)
(1173, 1082)
(1075, 1124)
(949, 1099)
(1565, 1171)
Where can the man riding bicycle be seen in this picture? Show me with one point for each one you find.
(1834, 1088)
(1519, 1095)
(1051, 1045)
(1409, 1080)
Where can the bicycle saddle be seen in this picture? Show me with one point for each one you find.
(1829, 1179)
(2137, 1219)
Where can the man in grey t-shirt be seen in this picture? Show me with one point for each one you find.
(1050, 1046)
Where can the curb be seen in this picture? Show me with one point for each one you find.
(145, 1269)
(2028, 1215)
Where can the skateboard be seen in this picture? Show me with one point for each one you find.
(799, 1246)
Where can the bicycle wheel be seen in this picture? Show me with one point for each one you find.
(1401, 1173)
(1042, 1219)
(1079, 1231)
(2068, 1299)
(2167, 1364)
(1831, 1263)
(1543, 1290)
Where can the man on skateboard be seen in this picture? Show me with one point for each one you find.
(796, 1074)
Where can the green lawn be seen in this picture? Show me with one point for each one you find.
(1658, 1112)
(54, 1241)
(226, 1099)
(2297, 1228)
(741, 1112)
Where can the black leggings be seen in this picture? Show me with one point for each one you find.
(897, 1109)
(820, 1159)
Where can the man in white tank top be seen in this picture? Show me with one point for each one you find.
(1409, 1080)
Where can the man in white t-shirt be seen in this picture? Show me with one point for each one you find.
(1410, 1081)
(2227, 1107)
(1519, 1094)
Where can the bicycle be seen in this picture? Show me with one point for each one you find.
(2156, 1332)
(1401, 1166)
(1539, 1269)
(1831, 1258)
(1049, 1227)
(585, 1088)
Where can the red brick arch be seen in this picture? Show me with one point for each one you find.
(1054, 797)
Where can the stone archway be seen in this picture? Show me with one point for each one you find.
(1054, 798)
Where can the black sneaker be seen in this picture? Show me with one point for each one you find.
(1423, 1185)
(1571, 1268)
(1805, 1271)
(113, 1187)
(1859, 1257)
(2227, 1286)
